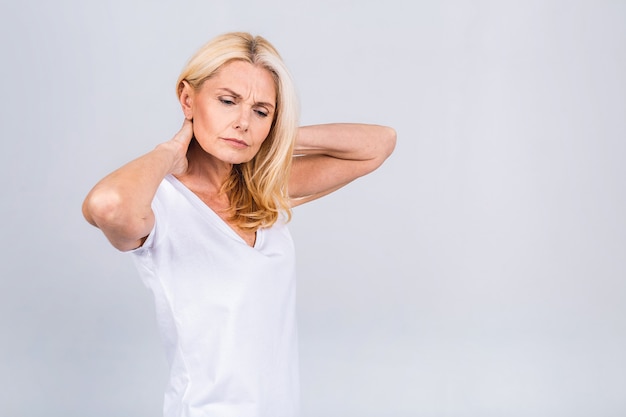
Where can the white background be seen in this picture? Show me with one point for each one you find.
(480, 272)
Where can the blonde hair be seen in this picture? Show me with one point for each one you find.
(257, 189)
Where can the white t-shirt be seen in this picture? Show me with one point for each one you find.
(225, 310)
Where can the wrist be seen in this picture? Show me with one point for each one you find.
(167, 156)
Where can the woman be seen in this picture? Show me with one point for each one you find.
(205, 215)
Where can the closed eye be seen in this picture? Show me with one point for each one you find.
(261, 113)
(227, 101)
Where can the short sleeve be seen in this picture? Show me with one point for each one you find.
(158, 209)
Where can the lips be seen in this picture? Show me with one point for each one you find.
(237, 143)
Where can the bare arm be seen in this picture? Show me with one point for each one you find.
(120, 204)
(327, 157)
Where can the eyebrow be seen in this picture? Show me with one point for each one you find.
(238, 96)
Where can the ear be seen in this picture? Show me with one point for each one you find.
(185, 97)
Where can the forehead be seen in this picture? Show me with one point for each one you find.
(245, 79)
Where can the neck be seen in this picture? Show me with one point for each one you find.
(204, 171)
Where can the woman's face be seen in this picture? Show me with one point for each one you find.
(232, 111)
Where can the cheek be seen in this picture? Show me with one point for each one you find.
(203, 122)
(264, 130)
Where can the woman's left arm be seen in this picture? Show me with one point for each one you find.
(327, 157)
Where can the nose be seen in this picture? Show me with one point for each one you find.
(243, 120)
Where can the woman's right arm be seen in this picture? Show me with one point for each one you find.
(120, 204)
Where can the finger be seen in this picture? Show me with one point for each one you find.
(185, 133)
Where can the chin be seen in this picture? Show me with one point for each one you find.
(235, 159)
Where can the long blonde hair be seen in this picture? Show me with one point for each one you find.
(257, 189)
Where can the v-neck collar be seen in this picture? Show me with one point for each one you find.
(207, 210)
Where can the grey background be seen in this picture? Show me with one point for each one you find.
(480, 272)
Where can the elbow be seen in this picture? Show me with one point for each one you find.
(386, 144)
(389, 141)
(108, 211)
(102, 208)
(382, 148)
(111, 212)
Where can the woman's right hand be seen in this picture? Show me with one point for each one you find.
(178, 145)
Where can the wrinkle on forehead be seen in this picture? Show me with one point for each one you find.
(252, 83)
